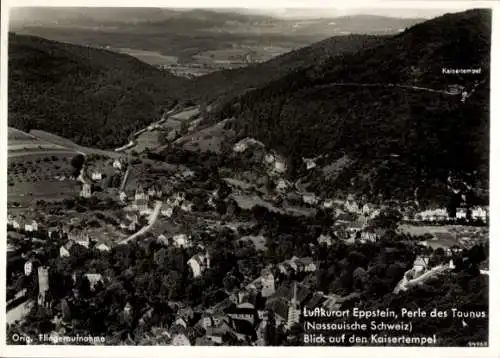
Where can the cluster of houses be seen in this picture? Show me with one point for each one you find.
(244, 315)
(22, 223)
(176, 200)
(477, 213)
(81, 238)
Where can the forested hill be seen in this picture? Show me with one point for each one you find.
(91, 96)
(349, 105)
(233, 82)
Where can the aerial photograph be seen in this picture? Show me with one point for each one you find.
(248, 177)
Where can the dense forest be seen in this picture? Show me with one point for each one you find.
(91, 96)
(429, 132)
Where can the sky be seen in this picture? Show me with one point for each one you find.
(334, 12)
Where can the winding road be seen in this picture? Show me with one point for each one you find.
(152, 219)
(418, 88)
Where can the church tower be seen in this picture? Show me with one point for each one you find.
(43, 285)
(293, 309)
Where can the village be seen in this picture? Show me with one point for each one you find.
(189, 217)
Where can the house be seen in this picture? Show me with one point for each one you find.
(479, 213)
(103, 247)
(15, 224)
(325, 240)
(180, 339)
(369, 235)
(64, 249)
(96, 176)
(279, 166)
(269, 158)
(117, 164)
(187, 206)
(162, 239)
(155, 192)
(354, 228)
(328, 204)
(94, 279)
(268, 284)
(248, 314)
(80, 238)
(127, 310)
(421, 264)
(310, 198)
(86, 191)
(308, 264)
(432, 215)
(367, 209)
(282, 185)
(285, 268)
(350, 205)
(310, 163)
(167, 211)
(461, 214)
(199, 263)
(181, 240)
(30, 227)
(141, 200)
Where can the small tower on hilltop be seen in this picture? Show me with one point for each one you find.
(43, 285)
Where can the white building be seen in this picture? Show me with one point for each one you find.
(325, 239)
(30, 227)
(199, 263)
(97, 176)
(268, 284)
(461, 213)
(123, 197)
(282, 185)
(86, 191)
(328, 204)
(269, 158)
(167, 211)
(117, 164)
(187, 206)
(181, 240)
(310, 163)
(350, 205)
(310, 199)
(279, 166)
(479, 213)
(103, 248)
(421, 264)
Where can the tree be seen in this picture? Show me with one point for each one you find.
(78, 161)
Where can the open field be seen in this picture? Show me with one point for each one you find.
(151, 57)
(187, 114)
(55, 139)
(147, 139)
(209, 139)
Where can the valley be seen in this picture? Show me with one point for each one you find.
(347, 174)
